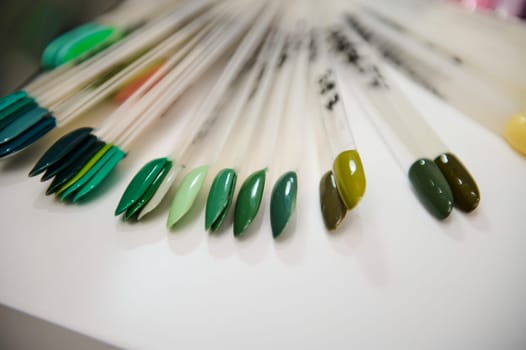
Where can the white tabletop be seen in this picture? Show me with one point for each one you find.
(392, 277)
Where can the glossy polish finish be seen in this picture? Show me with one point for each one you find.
(220, 198)
(102, 174)
(186, 194)
(466, 193)
(86, 172)
(134, 210)
(283, 202)
(12, 113)
(59, 149)
(22, 123)
(63, 177)
(333, 209)
(140, 184)
(76, 155)
(28, 137)
(350, 177)
(249, 201)
(515, 132)
(432, 188)
(8, 100)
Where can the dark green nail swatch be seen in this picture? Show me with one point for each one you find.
(63, 176)
(220, 198)
(140, 184)
(248, 201)
(465, 190)
(431, 187)
(72, 157)
(333, 209)
(283, 202)
(59, 149)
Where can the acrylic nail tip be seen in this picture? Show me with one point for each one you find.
(85, 170)
(220, 198)
(22, 123)
(101, 175)
(60, 149)
(12, 113)
(515, 133)
(78, 155)
(134, 210)
(350, 177)
(140, 184)
(161, 192)
(283, 202)
(466, 193)
(333, 209)
(186, 194)
(248, 201)
(28, 137)
(432, 188)
(12, 98)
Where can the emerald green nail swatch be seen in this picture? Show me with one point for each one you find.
(150, 192)
(220, 198)
(140, 184)
(333, 209)
(186, 194)
(431, 187)
(248, 201)
(100, 175)
(283, 202)
(465, 190)
(60, 149)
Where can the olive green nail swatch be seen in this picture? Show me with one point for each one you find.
(333, 209)
(283, 202)
(431, 187)
(465, 190)
(248, 201)
(220, 198)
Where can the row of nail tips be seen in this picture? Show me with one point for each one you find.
(488, 100)
(198, 128)
(438, 184)
(65, 93)
(82, 170)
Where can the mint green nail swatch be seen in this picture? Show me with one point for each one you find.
(186, 194)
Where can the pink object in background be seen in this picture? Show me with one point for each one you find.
(503, 7)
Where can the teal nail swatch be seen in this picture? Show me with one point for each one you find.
(101, 175)
(28, 137)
